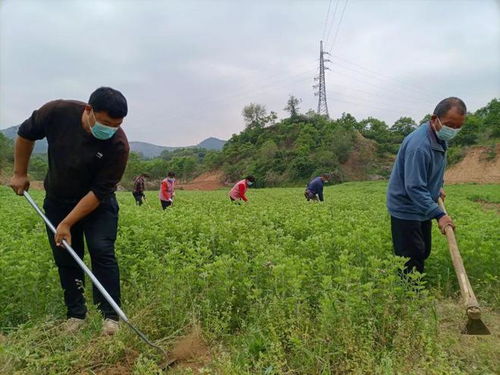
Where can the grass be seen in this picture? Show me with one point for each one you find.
(278, 286)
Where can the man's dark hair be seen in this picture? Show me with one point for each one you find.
(250, 178)
(446, 104)
(171, 174)
(106, 99)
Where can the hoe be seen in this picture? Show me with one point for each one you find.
(474, 325)
(96, 282)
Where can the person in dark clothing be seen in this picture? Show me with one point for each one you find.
(416, 183)
(138, 191)
(87, 153)
(314, 189)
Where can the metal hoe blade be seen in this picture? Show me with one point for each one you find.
(96, 282)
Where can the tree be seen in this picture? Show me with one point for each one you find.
(426, 118)
(403, 126)
(6, 151)
(293, 106)
(254, 115)
(491, 117)
(347, 121)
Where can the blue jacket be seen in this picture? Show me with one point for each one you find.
(417, 176)
(315, 186)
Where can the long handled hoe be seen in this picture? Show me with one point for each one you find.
(475, 325)
(94, 279)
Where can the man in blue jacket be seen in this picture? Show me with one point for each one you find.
(314, 189)
(416, 183)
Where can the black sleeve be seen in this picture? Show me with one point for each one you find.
(320, 195)
(105, 181)
(35, 127)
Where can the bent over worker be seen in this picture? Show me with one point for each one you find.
(139, 187)
(416, 183)
(167, 190)
(87, 153)
(239, 189)
(314, 189)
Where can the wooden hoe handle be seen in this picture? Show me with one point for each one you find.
(471, 304)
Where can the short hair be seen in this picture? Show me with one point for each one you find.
(326, 175)
(445, 105)
(171, 174)
(250, 178)
(109, 100)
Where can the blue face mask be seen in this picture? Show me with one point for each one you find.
(102, 132)
(446, 133)
(250, 183)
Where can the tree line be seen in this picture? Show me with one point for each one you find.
(292, 150)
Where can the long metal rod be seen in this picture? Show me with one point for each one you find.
(89, 273)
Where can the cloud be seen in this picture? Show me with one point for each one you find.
(187, 68)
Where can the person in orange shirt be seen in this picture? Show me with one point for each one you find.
(167, 190)
(240, 188)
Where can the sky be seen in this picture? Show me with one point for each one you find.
(187, 68)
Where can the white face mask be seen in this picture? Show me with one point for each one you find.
(250, 183)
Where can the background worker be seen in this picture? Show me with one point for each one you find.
(314, 189)
(239, 189)
(416, 183)
(87, 153)
(167, 190)
(139, 188)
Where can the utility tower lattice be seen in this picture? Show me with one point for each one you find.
(321, 93)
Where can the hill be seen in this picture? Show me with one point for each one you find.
(148, 150)
(212, 143)
(481, 164)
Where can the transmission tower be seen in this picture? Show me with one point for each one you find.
(321, 93)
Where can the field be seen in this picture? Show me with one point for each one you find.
(277, 286)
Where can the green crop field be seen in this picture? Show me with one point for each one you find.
(276, 286)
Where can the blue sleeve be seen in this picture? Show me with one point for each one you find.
(416, 177)
(320, 194)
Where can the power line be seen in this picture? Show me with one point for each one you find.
(338, 26)
(241, 94)
(386, 87)
(375, 73)
(332, 22)
(326, 20)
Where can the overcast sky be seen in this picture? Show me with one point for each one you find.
(187, 68)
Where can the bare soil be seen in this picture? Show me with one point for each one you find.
(477, 166)
(363, 154)
(190, 351)
(207, 181)
(472, 350)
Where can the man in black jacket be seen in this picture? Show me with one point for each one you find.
(87, 153)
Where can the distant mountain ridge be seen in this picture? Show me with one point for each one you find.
(148, 150)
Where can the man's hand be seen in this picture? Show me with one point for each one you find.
(19, 183)
(63, 232)
(444, 222)
(442, 194)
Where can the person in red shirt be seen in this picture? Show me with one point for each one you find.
(240, 188)
(167, 190)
